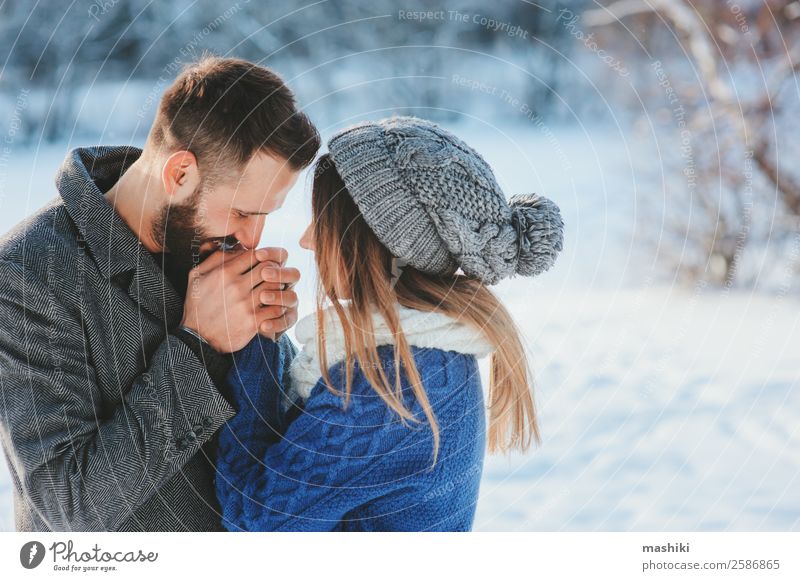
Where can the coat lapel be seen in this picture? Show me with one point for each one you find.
(86, 173)
(152, 290)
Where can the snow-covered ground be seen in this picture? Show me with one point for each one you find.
(661, 408)
(660, 411)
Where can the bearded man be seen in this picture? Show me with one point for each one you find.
(119, 310)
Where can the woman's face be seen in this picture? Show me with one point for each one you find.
(307, 241)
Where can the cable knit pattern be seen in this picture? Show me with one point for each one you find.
(354, 469)
(433, 201)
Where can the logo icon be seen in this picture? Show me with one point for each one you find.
(31, 554)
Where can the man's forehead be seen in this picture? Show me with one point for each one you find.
(265, 166)
(257, 183)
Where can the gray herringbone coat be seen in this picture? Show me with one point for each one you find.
(97, 398)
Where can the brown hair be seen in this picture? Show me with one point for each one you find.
(349, 256)
(224, 110)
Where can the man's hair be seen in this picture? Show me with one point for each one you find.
(224, 110)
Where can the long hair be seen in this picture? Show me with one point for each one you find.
(352, 261)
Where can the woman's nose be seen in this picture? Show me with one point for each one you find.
(307, 239)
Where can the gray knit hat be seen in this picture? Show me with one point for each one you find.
(434, 202)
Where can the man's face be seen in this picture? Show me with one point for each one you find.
(231, 211)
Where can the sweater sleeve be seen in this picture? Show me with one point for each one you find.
(255, 382)
(329, 461)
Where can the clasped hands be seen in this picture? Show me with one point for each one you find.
(234, 295)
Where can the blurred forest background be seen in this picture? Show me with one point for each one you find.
(691, 73)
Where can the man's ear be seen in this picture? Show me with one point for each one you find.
(180, 176)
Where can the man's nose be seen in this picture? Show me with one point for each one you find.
(248, 239)
(250, 234)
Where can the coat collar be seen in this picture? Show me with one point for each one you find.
(88, 172)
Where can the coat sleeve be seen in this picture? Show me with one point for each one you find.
(329, 461)
(83, 466)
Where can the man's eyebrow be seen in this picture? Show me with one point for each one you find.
(250, 213)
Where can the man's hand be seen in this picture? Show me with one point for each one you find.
(234, 295)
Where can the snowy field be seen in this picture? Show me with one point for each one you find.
(661, 408)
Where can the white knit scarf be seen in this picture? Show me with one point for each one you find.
(421, 329)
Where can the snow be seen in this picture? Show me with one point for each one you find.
(660, 410)
(661, 407)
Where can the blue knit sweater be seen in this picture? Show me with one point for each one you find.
(355, 469)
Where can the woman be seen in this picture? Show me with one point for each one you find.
(382, 425)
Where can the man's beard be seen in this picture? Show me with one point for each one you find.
(177, 230)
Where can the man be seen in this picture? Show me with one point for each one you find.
(118, 311)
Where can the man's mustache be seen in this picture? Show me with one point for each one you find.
(224, 243)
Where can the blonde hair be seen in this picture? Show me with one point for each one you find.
(349, 256)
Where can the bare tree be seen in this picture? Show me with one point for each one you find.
(738, 165)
